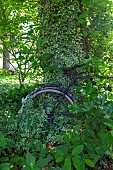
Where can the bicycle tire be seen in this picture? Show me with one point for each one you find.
(52, 89)
(52, 92)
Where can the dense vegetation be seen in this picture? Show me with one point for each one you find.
(42, 40)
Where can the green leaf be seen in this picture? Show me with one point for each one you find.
(85, 2)
(89, 147)
(81, 166)
(107, 138)
(95, 157)
(42, 162)
(67, 163)
(59, 153)
(5, 166)
(76, 161)
(81, 21)
(104, 98)
(83, 15)
(89, 162)
(110, 125)
(77, 150)
(39, 41)
(17, 160)
(36, 168)
(3, 141)
(89, 88)
(85, 33)
(59, 159)
(111, 108)
(87, 106)
(96, 33)
(30, 159)
(25, 48)
(26, 168)
(112, 132)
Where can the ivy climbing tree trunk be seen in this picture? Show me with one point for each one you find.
(63, 47)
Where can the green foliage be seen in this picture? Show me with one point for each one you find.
(32, 123)
(28, 161)
(91, 140)
(65, 47)
(10, 101)
(19, 33)
(63, 39)
(48, 36)
(84, 144)
(57, 34)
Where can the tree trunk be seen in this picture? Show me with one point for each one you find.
(64, 41)
(6, 58)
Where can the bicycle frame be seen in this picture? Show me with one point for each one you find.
(75, 78)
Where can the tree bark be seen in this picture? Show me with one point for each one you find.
(6, 58)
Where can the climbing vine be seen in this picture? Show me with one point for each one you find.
(63, 47)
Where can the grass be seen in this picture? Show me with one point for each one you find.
(9, 80)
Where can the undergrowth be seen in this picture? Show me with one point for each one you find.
(87, 145)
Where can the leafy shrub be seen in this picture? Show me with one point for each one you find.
(25, 161)
(31, 126)
(85, 142)
(10, 101)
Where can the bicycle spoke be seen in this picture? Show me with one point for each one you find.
(57, 119)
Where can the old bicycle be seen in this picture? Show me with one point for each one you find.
(50, 116)
(60, 96)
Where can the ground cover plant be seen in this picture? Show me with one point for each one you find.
(87, 146)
